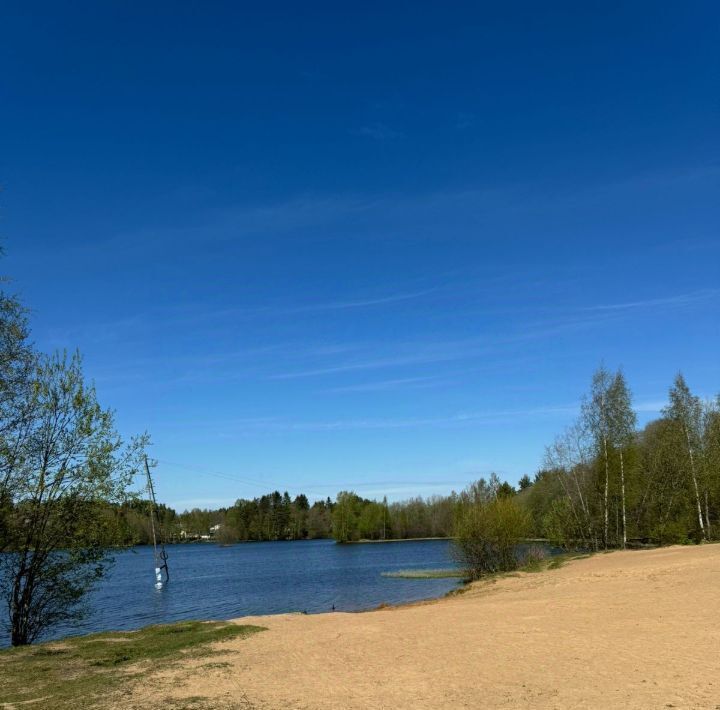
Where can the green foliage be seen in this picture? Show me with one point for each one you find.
(84, 672)
(346, 516)
(607, 482)
(276, 517)
(270, 517)
(559, 524)
(355, 518)
(225, 535)
(64, 465)
(505, 490)
(487, 534)
(539, 498)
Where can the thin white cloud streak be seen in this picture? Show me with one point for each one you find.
(384, 385)
(253, 362)
(419, 353)
(459, 419)
(470, 207)
(372, 364)
(446, 351)
(119, 328)
(361, 303)
(272, 425)
(249, 363)
(683, 299)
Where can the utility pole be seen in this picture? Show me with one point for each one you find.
(159, 554)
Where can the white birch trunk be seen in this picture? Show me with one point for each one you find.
(695, 484)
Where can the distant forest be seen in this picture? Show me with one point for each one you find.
(604, 484)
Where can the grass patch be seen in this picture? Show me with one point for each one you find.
(536, 565)
(84, 672)
(426, 574)
(555, 562)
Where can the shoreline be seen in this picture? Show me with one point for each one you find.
(574, 636)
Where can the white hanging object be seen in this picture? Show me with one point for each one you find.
(158, 548)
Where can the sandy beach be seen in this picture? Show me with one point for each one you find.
(629, 629)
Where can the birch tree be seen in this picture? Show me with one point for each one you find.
(569, 458)
(711, 455)
(622, 422)
(685, 410)
(597, 417)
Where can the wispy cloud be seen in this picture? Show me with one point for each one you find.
(452, 420)
(228, 429)
(114, 329)
(429, 352)
(682, 299)
(369, 364)
(420, 215)
(359, 303)
(384, 385)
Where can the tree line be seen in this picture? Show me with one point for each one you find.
(277, 516)
(604, 484)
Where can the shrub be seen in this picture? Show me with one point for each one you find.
(559, 525)
(533, 558)
(487, 535)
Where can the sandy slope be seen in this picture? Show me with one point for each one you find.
(622, 630)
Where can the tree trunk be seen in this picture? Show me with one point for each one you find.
(695, 484)
(622, 498)
(707, 515)
(607, 489)
(19, 631)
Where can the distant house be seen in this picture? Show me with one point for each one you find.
(209, 535)
(187, 535)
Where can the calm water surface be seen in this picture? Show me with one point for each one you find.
(213, 582)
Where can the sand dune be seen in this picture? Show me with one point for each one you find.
(620, 630)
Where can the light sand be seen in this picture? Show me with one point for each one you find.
(620, 630)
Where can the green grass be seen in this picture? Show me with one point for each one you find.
(533, 565)
(90, 671)
(426, 574)
(555, 562)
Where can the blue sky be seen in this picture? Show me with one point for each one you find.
(315, 246)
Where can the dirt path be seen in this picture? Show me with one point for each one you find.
(622, 630)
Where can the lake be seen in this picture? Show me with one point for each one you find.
(208, 581)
